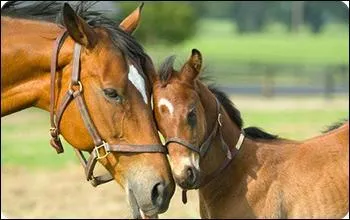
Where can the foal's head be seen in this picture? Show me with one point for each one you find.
(179, 113)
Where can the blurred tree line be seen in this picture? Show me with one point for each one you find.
(254, 16)
(166, 22)
(173, 22)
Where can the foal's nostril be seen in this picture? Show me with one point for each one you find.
(191, 177)
(158, 194)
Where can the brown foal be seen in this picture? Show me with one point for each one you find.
(94, 79)
(245, 173)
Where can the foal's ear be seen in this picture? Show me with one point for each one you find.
(130, 23)
(77, 28)
(192, 67)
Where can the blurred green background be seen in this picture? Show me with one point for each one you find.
(284, 65)
(267, 48)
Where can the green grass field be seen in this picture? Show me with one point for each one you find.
(25, 141)
(231, 58)
(219, 43)
(25, 135)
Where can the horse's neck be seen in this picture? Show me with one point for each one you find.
(26, 50)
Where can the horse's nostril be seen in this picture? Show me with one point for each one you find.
(158, 194)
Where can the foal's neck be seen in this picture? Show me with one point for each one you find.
(26, 51)
(243, 161)
(230, 131)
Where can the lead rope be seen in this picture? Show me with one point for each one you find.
(184, 196)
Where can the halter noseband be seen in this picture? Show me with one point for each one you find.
(75, 92)
(204, 147)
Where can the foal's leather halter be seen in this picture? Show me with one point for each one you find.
(75, 91)
(203, 149)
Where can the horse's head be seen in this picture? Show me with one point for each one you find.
(116, 93)
(180, 116)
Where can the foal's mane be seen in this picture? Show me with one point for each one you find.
(165, 74)
(235, 115)
(52, 11)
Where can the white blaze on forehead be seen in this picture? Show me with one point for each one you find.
(138, 81)
(168, 104)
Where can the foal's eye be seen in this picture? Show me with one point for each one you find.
(112, 94)
(191, 118)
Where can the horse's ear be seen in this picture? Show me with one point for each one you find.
(192, 67)
(77, 28)
(130, 23)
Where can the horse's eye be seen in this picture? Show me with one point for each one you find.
(191, 118)
(113, 94)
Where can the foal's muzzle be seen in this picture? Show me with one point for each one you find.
(189, 178)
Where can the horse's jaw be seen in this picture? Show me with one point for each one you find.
(136, 211)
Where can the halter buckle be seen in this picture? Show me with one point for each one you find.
(105, 146)
(54, 133)
(219, 119)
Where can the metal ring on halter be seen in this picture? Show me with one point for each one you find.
(105, 146)
(70, 87)
(219, 119)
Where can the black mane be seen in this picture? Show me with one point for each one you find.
(166, 69)
(229, 107)
(335, 125)
(52, 11)
(165, 73)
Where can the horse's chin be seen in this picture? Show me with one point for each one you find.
(137, 212)
(147, 216)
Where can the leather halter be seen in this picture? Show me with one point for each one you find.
(75, 91)
(204, 147)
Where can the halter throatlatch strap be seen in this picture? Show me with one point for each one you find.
(233, 152)
(54, 130)
(75, 90)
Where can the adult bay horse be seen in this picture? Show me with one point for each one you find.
(245, 173)
(93, 78)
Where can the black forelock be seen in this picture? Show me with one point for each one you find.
(165, 70)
